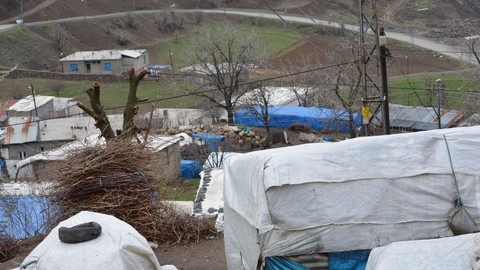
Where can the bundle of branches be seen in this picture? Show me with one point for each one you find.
(177, 227)
(8, 247)
(116, 179)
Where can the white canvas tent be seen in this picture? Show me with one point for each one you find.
(357, 194)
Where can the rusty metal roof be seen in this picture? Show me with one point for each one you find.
(21, 130)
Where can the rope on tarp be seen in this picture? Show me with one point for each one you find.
(459, 198)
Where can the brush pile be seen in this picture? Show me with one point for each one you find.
(116, 179)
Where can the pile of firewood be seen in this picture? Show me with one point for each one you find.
(115, 179)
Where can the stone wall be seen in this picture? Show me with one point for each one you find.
(24, 73)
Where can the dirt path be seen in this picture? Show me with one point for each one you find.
(292, 4)
(391, 9)
(30, 11)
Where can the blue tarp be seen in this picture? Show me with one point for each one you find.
(190, 169)
(348, 260)
(320, 119)
(2, 168)
(210, 139)
(22, 217)
(282, 263)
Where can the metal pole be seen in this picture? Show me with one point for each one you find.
(384, 93)
(171, 59)
(34, 102)
(438, 84)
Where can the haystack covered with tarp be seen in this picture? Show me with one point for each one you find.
(320, 119)
(119, 246)
(352, 195)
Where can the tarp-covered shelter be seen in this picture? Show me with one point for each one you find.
(356, 194)
(320, 119)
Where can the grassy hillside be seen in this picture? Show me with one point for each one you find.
(104, 34)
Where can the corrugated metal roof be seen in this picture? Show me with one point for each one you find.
(420, 118)
(21, 130)
(27, 104)
(102, 55)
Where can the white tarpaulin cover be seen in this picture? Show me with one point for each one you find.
(352, 195)
(119, 247)
(450, 253)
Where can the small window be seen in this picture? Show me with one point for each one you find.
(108, 67)
(42, 149)
(144, 59)
(73, 67)
(22, 155)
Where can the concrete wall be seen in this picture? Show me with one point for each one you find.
(23, 73)
(96, 67)
(166, 164)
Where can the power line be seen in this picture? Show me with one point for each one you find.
(195, 92)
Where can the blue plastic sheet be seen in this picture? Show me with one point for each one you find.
(213, 141)
(348, 260)
(190, 169)
(22, 217)
(282, 263)
(320, 119)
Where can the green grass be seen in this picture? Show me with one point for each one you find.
(186, 190)
(279, 40)
(274, 35)
(112, 94)
(413, 90)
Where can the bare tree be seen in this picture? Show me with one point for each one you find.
(258, 102)
(169, 23)
(220, 54)
(131, 108)
(59, 36)
(306, 86)
(18, 93)
(57, 87)
(339, 89)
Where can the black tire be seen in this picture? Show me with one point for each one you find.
(80, 233)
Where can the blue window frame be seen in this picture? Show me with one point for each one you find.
(108, 67)
(73, 67)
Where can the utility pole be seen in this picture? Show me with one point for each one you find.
(439, 87)
(369, 63)
(171, 59)
(34, 102)
(384, 53)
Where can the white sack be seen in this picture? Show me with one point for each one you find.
(450, 253)
(119, 247)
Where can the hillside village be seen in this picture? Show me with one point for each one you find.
(309, 151)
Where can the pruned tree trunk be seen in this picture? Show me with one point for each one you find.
(131, 108)
(97, 113)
